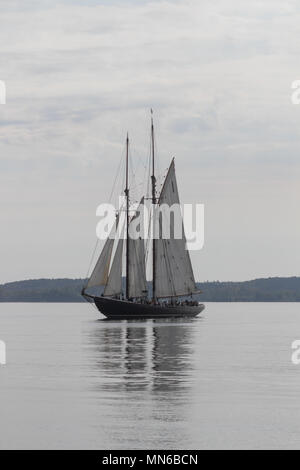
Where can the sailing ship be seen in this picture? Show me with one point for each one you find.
(172, 272)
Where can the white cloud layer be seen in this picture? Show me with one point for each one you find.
(79, 74)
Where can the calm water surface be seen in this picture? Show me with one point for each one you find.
(221, 381)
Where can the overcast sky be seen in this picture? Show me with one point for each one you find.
(218, 74)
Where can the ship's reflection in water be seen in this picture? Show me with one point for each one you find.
(153, 355)
(143, 378)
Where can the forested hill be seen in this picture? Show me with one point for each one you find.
(276, 289)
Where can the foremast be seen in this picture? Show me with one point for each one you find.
(153, 179)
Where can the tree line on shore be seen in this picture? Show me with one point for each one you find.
(275, 289)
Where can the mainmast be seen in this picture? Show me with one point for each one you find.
(153, 179)
(127, 220)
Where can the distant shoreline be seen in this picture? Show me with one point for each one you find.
(273, 289)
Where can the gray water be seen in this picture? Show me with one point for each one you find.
(225, 380)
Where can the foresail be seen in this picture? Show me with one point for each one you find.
(137, 284)
(99, 275)
(114, 283)
(174, 273)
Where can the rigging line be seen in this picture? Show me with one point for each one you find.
(90, 302)
(146, 176)
(116, 176)
(135, 186)
(133, 179)
(144, 184)
(139, 162)
(141, 169)
(109, 200)
(157, 159)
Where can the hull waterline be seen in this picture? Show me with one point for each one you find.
(122, 309)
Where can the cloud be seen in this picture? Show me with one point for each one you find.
(80, 74)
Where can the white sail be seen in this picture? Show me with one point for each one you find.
(99, 275)
(137, 284)
(174, 273)
(114, 283)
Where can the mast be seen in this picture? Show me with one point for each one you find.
(153, 179)
(127, 219)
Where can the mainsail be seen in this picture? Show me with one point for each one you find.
(99, 275)
(114, 283)
(137, 284)
(174, 273)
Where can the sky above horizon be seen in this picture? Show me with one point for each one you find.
(218, 75)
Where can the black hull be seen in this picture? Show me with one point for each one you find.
(122, 309)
